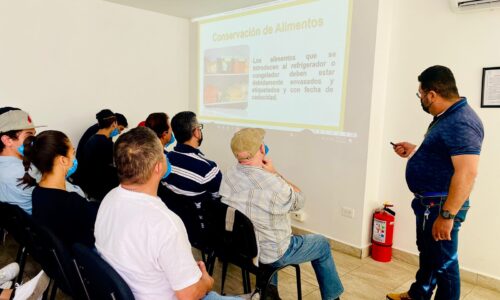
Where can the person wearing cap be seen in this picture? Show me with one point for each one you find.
(192, 173)
(254, 187)
(98, 174)
(15, 126)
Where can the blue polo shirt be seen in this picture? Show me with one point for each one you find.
(458, 131)
(192, 174)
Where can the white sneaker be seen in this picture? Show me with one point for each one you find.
(33, 289)
(6, 285)
(9, 272)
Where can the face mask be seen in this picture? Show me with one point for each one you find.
(20, 149)
(169, 169)
(200, 140)
(72, 170)
(266, 149)
(172, 140)
(425, 107)
(114, 133)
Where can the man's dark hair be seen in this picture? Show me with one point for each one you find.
(158, 122)
(183, 125)
(13, 134)
(121, 120)
(136, 153)
(41, 150)
(439, 79)
(105, 118)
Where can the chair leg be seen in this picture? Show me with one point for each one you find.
(22, 254)
(224, 271)
(299, 282)
(53, 291)
(245, 277)
(46, 293)
(211, 263)
(249, 283)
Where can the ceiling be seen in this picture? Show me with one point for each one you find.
(189, 8)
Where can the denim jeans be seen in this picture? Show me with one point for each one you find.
(438, 259)
(215, 296)
(316, 249)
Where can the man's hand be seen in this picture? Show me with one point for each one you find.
(441, 229)
(404, 149)
(205, 275)
(267, 164)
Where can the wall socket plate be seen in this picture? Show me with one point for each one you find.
(299, 215)
(347, 212)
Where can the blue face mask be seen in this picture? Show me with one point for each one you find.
(172, 140)
(169, 168)
(114, 133)
(72, 170)
(266, 149)
(20, 149)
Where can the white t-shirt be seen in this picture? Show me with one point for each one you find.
(146, 244)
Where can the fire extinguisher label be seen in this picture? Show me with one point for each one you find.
(379, 231)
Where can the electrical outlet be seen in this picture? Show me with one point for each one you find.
(299, 215)
(347, 212)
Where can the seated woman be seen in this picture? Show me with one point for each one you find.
(67, 214)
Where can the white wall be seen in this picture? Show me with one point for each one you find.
(64, 60)
(426, 33)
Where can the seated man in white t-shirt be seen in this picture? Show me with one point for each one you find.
(139, 236)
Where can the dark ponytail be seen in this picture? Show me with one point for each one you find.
(41, 152)
(27, 180)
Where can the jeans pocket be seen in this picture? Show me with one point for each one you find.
(462, 213)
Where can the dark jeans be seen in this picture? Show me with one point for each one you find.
(438, 260)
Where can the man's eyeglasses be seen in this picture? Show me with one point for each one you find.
(200, 126)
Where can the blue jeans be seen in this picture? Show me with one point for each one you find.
(215, 296)
(438, 260)
(316, 249)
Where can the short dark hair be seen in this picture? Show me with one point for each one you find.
(439, 79)
(41, 150)
(105, 118)
(183, 124)
(136, 152)
(158, 122)
(121, 120)
(13, 134)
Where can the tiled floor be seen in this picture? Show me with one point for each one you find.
(362, 278)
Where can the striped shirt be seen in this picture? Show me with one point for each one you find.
(192, 174)
(266, 199)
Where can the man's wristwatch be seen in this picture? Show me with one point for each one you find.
(445, 214)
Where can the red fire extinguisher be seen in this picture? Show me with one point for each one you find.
(382, 234)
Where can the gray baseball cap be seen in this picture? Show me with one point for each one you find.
(16, 120)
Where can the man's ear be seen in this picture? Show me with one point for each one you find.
(5, 139)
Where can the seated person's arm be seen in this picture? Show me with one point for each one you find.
(199, 289)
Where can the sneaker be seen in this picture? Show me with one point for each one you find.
(6, 285)
(9, 272)
(33, 289)
(401, 296)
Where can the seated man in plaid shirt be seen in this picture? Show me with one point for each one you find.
(254, 187)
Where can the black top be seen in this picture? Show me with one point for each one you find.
(68, 215)
(98, 175)
(83, 140)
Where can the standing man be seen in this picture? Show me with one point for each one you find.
(441, 174)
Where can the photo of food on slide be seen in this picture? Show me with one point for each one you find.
(226, 77)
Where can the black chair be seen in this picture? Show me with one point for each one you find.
(56, 261)
(235, 242)
(197, 229)
(15, 221)
(100, 279)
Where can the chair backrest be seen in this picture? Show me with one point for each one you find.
(237, 244)
(185, 207)
(100, 279)
(14, 220)
(55, 258)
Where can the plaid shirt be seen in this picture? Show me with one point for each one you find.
(266, 199)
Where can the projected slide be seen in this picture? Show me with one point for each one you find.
(281, 66)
